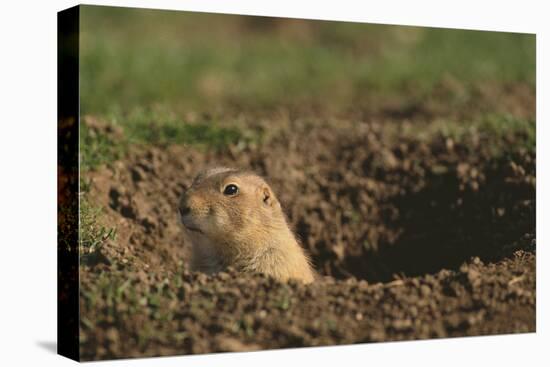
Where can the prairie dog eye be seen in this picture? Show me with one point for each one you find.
(231, 190)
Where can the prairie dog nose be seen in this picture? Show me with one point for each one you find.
(184, 209)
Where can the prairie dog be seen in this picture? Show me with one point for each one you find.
(232, 218)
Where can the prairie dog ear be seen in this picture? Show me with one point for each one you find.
(267, 196)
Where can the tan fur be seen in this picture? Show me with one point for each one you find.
(247, 231)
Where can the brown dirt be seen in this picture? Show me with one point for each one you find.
(417, 238)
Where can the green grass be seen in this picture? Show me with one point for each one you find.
(97, 149)
(466, 56)
(160, 128)
(92, 234)
(205, 62)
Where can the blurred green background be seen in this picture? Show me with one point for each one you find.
(173, 77)
(135, 59)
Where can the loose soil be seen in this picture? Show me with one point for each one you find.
(415, 238)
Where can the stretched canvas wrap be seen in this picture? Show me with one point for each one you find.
(237, 183)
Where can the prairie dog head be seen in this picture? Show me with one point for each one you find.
(232, 218)
(230, 208)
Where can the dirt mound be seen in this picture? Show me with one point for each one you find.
(369, 202)
(161, 313)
